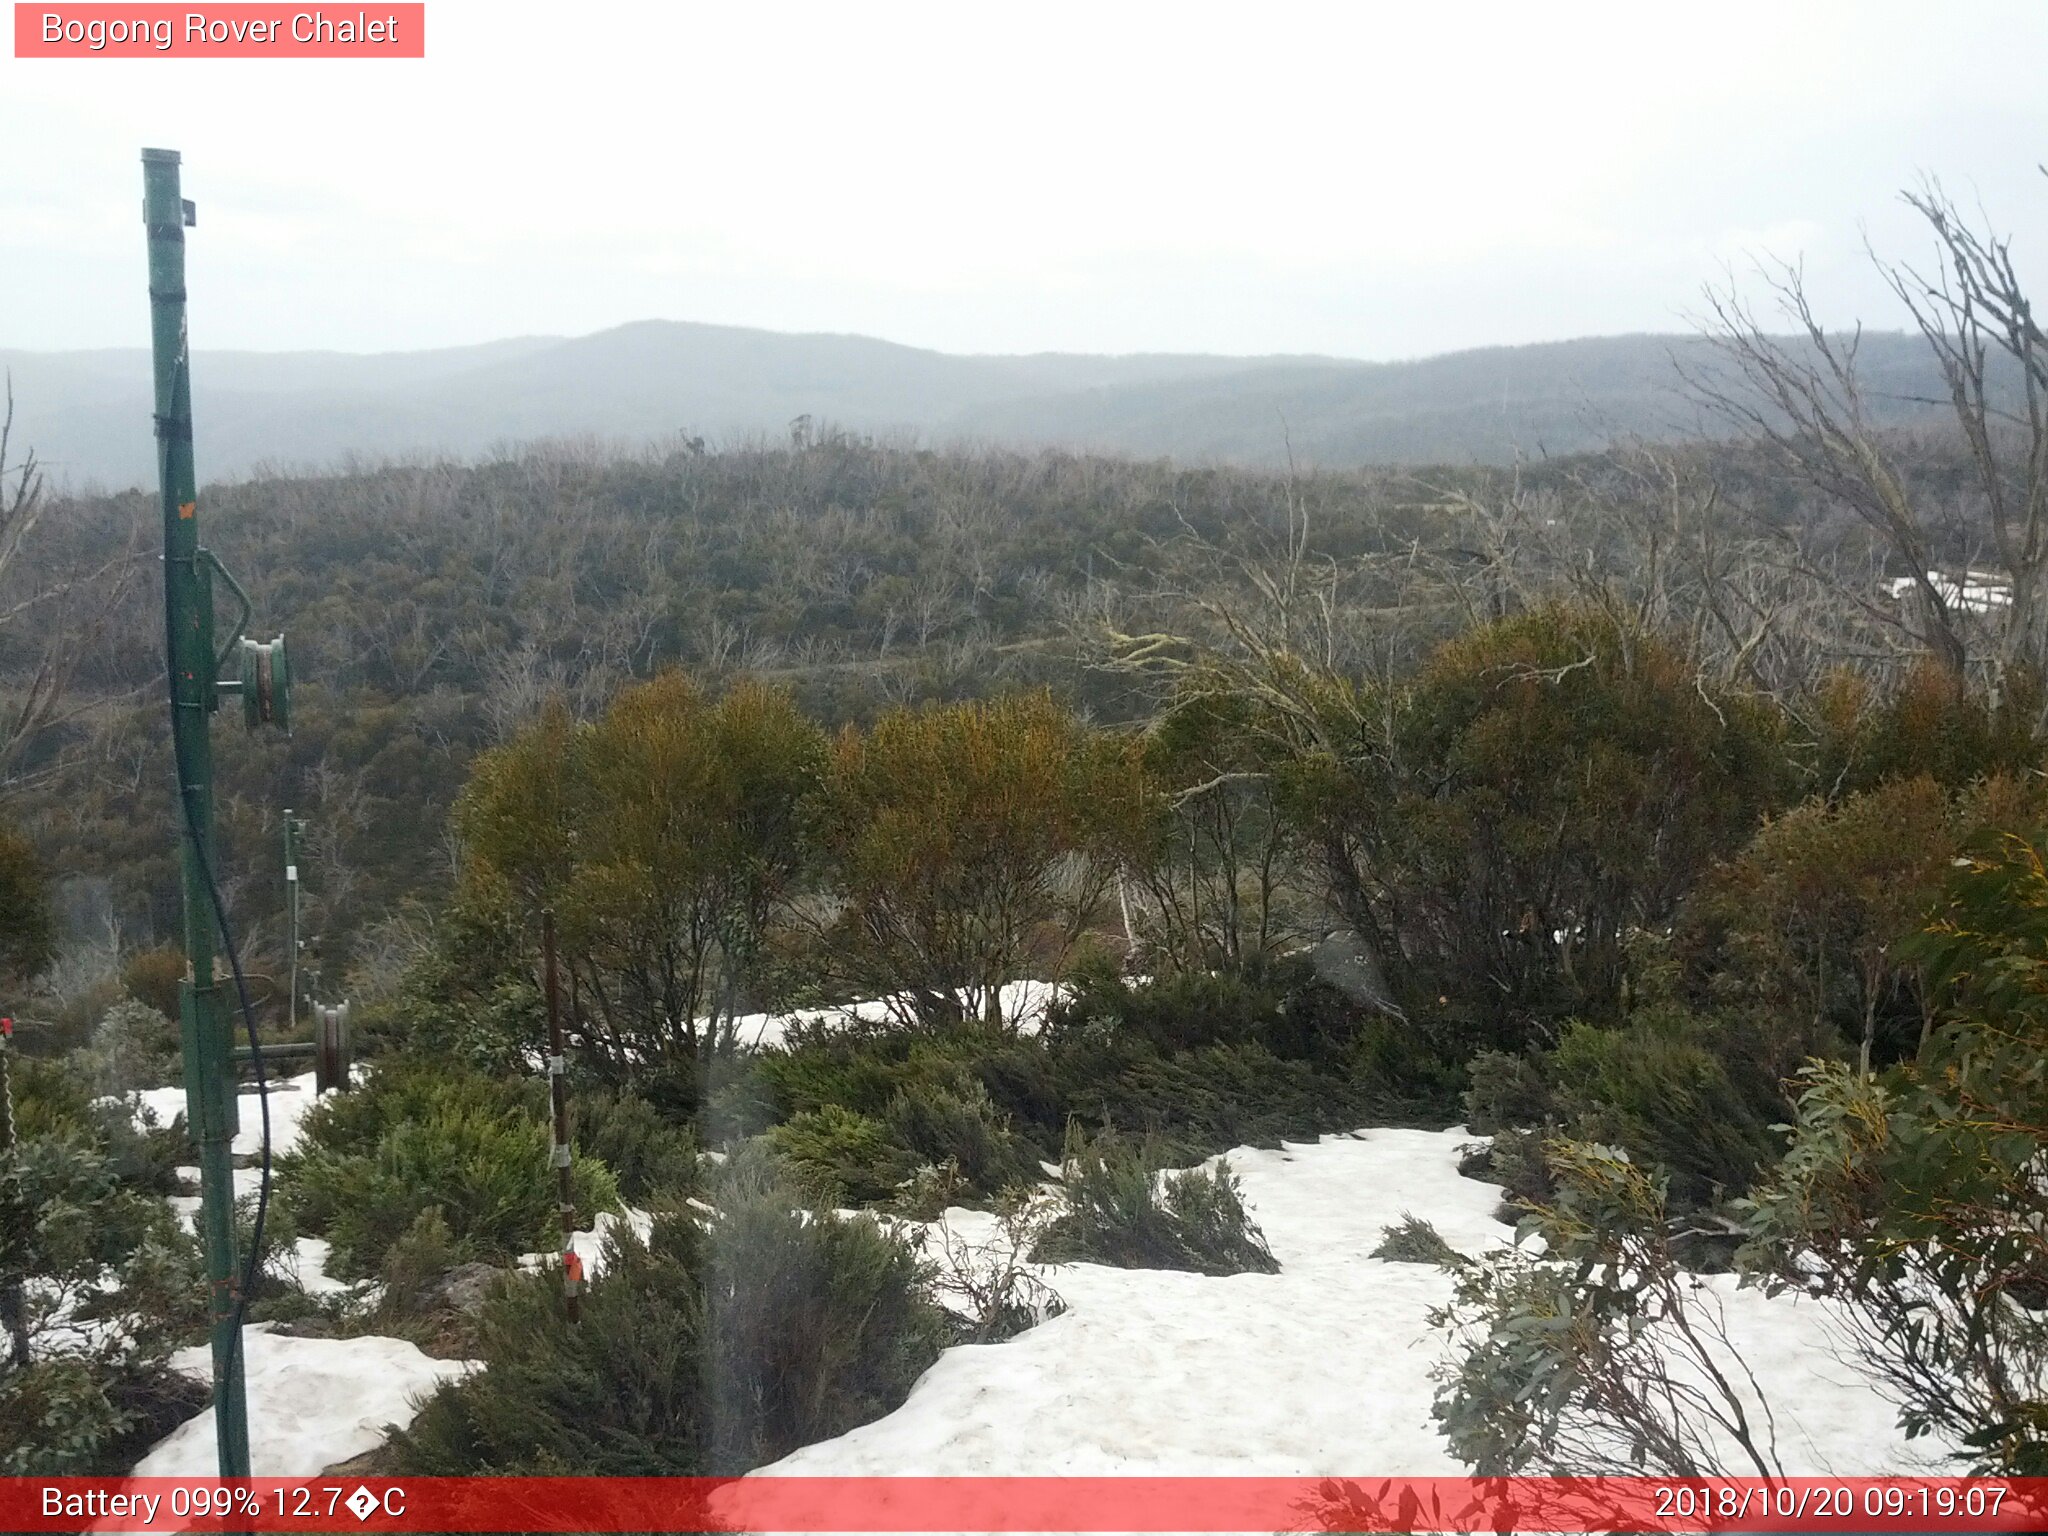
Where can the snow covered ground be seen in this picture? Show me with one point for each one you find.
(1023, 1004)
(290, 1098)
(1322, 1369)
(312, 1402)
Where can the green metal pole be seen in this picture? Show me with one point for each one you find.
(188, 628)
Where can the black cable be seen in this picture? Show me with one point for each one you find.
(253, 1267)
(186, 792)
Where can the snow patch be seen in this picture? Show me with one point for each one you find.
(312, 1402)
(1023, 1004)
(290, 1098)
(1320, 1370)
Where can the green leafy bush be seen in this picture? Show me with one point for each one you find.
(1402, 1075)
(1415, 1241)
(956, 1124)
(619, 1394)
(145, 1158)
(1663, 1088)
(814, 1323)
(1603, 1356)
(1915, 1194)
(133, 1047)
(697, 1352)
(1507, 1091)
(648, 1155)
(842, 1155)
(82, 1219)
(1279, 1005)
(1514, 1159)
(83, 1416)
(49, 1097)
(369, 1162)
(1184, 1011)
(425, 1253)
(1119, 1211)
(1495, 887)
(1208, 1100)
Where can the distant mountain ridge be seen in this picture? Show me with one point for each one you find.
(87, 414)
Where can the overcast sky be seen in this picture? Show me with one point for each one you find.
(1368, 180)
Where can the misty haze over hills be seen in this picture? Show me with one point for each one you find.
(87, 414)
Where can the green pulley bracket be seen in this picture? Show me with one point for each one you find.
(266, 685)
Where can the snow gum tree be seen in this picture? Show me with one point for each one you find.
(1810, 922)
(967, 842)
(667, 835)
(1914, 1198)
(1497, 825)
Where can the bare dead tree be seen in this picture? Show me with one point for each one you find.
(1973, 310)
(1805, 399)
(49, 624)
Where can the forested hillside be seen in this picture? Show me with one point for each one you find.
(88, 413)
(431, 609)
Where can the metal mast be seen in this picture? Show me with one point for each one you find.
(188, 633)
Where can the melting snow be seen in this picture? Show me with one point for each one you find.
(1322, 1369)
(290, 1098)
(312, 1402)
(1023, 1005)
(589, 1243)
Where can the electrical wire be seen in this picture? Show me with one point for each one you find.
(186, 795)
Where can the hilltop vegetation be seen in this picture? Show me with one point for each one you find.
(432, 609)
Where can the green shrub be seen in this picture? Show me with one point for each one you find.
(133, 1047)
(815, 1323)
(368, 1163)
(1402, 1075)
(1414, 1241)
(425, 1253)
(1507, 1092)
(50, 1098)
(144, 1158)
(648, 1155)
(619, 1394)
(1209, 1100)
(1118, 1212)
(1661, 1088)
(161, 1293)
(1021, 1080)
(842, 1155)
(280, 1244)
(1514, 1160)
(1595, 1354)
(83, 1416)
(81, 1218)
(856, 1066)
(405, 1088)
(697, 1352)
(1185, 1011)
(1279, 1005)
(957, 1125)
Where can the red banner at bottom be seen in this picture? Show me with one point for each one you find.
(973, 1504)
